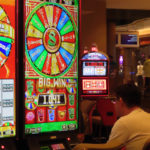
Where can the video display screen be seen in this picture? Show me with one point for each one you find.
(7, 69)
(57, 146)
(94, 68)
(51, 73)
(94, 86)
(130, 39)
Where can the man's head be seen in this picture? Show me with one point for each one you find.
(128, 97)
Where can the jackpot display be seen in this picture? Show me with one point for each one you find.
(94, 68)
(7, 69)
(51, 58)
(94, 77)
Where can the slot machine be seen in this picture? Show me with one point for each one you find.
(94, 78)
(51, 44)
(8, 74)
(94, 86)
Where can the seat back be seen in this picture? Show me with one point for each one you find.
(107, 112)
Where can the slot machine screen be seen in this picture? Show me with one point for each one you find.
(51, 72)
(7, 69)
(59, 144)
(97, 86)
(94, 68)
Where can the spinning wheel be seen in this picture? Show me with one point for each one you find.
(50, 39)
(6, 37)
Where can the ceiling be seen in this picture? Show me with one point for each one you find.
(126, 16)
(129, 15)
(128, 4)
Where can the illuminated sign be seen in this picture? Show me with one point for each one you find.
(54, 83)
(94, 84)
(52, 99)
(51, 73)
(94, 56)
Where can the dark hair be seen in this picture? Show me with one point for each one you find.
(130, 94)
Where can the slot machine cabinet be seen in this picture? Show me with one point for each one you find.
(51, 72)
(8, 74)
(94, 75)
(94, 82)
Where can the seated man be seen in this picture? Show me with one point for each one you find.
(133, 127)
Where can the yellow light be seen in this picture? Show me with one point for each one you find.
(7, 2)
(144, 31)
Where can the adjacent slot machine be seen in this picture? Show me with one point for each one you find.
(94, 82)
(51, 72)
(8, 50)
(94, 74)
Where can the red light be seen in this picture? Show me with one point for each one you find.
(68, 139)
(94, 49)
(85, 51)
(2, 147)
